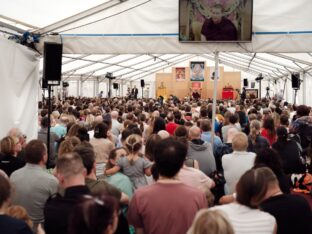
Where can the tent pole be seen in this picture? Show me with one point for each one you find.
(304, 76)
(215, 86)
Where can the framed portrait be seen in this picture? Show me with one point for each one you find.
(180, 73)
(251, 93)
(215, 21)
(197, 70)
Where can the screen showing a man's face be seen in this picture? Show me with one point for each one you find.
(216, 15)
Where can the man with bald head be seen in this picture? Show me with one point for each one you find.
(116, 126)
(201, 151)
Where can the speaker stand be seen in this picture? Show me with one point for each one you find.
(142, 92)
(49, 125)
(295, 96)
(267, 95)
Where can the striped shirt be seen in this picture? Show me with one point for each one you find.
(245, 220)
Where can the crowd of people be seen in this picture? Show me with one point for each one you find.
(124, 165)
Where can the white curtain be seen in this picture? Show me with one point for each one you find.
(19, 76)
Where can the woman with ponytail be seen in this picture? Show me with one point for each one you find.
(133, 166)
(256, 142)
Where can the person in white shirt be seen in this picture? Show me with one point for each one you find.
(238, 162)
(244, 214)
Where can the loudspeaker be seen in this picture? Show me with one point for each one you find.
(245, 82)
(252, 85)
(142, 83)
(52, 62)
(295, 80)
(115, 85)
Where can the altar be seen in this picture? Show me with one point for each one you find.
(228, 93)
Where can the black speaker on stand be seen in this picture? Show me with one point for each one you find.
(245, 82)
(115, 86)
(142, 86)
(295, 84)
(52, 73)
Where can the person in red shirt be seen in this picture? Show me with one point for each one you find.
(171, 125)
(268, 130)
(167, 206)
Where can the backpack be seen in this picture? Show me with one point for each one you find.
(303, 183)
(218, 190)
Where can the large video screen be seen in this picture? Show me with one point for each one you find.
(215, 20)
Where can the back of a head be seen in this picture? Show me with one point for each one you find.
(169, 156)
(70, 165)
(163, 134)
(45, 122)
(35, 151)
(211, 222)
(282, 134)
(270, 158)
(100, 130)
(7, 145)
(253, 185)
(5, 190)
(151, 142)
(240, 142)
(133, 143)
(114, 114)
(181, 131)
(87, 154)
(194, 132)
(205, 125)
(94, 215)
(302, 110)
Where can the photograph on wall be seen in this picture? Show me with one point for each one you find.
(180, 73)
(197, 70)
(218, 21)
(251, 93)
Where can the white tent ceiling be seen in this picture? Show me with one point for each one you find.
(136, 38)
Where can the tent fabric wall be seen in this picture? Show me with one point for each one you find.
(152, 27)
(19, 75)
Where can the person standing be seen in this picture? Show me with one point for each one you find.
(134, 92)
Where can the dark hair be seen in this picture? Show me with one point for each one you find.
(205, 125)
(112, 155)
(253, 185)
(169, 156)
(45, 122)
(303, 110)
(100, 130)
(83, 134)
(151, 142)
(268, 124)
(284, 120)
(93, 215)
(270, 158)
(282, 134)
(34, 151)
(5, 191)
(233, 118)
(125, 133)
(203, 112)
(86, 153)
(159, 124)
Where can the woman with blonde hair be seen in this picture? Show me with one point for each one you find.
(210, 222)
(133, 165)
(9, 162)
(256, 142)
